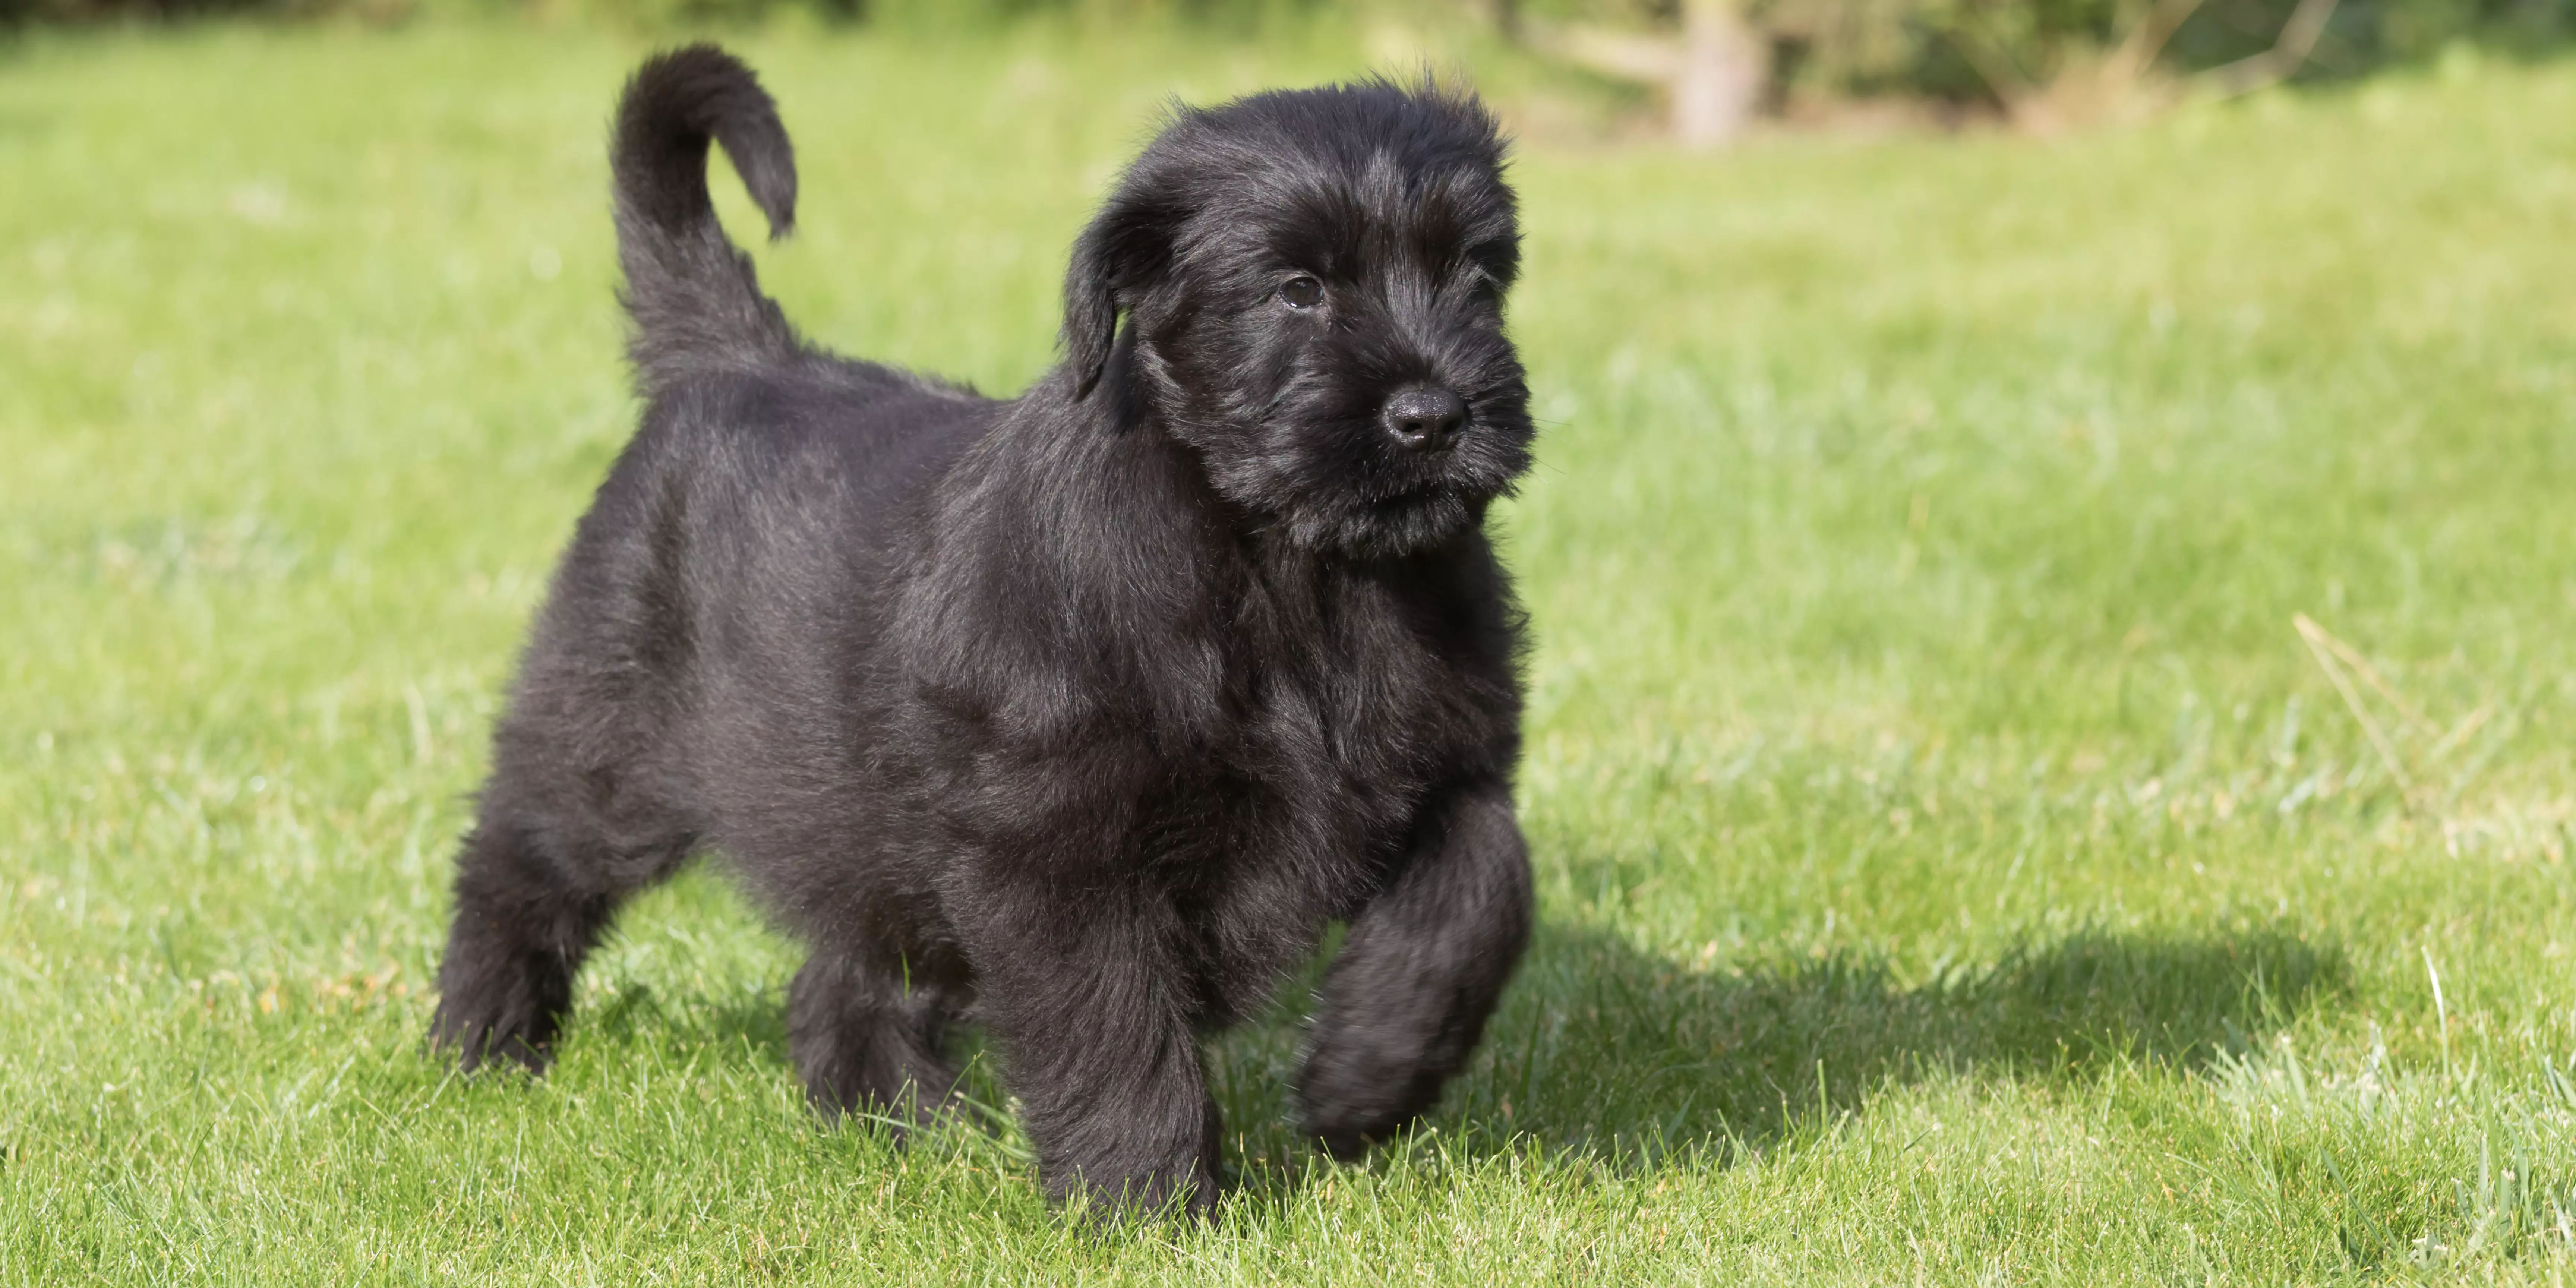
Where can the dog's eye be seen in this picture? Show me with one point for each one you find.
(1301, 292)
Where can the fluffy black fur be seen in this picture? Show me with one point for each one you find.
(1078, 716)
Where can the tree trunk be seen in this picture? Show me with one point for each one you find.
(1724, 66)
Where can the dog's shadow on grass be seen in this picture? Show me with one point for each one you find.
(1604, 1042)
(1604, 1049)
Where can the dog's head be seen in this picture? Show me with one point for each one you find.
(1313, 282)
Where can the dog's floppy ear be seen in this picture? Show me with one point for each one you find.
(1124, 253)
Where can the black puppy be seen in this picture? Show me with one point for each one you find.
(1079, 715)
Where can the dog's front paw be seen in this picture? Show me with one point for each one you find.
(1182, 1194)
(1347, 1132)
(1350, 1098)
(1344, 1143)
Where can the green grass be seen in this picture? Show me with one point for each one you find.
(1955, 867)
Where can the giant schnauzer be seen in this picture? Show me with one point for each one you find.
(1077, 716)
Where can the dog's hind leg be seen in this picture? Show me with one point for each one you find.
(865, 1042)
(520, 931)
(534, 889)
(1418, 974)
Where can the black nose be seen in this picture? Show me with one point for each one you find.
(1425, 419)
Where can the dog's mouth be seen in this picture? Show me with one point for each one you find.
(1330, 474)
(1385, 527)
(1405, 511)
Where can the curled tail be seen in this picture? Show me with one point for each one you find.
(694, 297)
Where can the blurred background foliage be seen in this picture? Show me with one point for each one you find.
(1776, 58)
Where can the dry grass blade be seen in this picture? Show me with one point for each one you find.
(2370, 675)
(2469, 724)
(2327, 649)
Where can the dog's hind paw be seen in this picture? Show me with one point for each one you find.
(478, 1034)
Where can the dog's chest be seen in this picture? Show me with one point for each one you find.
(1356, 697)
(1343, 722)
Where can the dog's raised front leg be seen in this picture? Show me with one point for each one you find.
(1082, 994)
(1422, 967)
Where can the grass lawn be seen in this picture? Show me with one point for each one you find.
(1955, 865)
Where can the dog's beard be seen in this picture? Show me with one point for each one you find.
(1396, 526)
(1334, 482)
